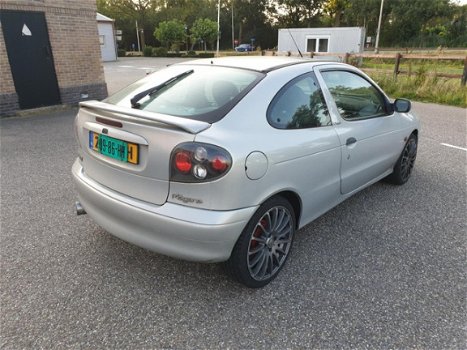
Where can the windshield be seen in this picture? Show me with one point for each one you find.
(207, 93)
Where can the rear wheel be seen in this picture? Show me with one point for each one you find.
(264, 245)
(405, 163)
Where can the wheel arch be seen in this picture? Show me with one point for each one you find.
(295, 201)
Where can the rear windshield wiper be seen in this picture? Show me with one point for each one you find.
(134, 100)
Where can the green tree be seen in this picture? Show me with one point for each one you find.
(252, 21)
(187, 11)
(296, 13)
(170, 32)
(335, 10)
(457, 28)
(404, 23)
(407, 18)
(204, 30)
(126, 13)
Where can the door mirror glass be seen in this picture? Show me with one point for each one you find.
(402, 105)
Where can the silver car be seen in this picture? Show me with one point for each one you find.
(225, 159)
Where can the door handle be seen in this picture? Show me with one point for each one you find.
(350, 141)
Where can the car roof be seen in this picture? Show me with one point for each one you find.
(257, 63)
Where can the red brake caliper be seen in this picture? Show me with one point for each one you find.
(258, 232)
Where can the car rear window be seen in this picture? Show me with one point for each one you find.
(204, 93)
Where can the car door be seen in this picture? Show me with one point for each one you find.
(367, 127)
(307, 148)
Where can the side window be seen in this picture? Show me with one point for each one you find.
(355, 97)
(298, 105)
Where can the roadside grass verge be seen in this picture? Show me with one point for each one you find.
(412, 66)
(423, 87)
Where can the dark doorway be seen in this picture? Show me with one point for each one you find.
(30, 56)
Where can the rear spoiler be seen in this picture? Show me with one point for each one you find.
(189, 125)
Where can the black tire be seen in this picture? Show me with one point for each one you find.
(405, 163)
(261, 252)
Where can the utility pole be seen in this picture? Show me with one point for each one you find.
(137, 36)
(379, 26)
(233, 28)
(218, 25)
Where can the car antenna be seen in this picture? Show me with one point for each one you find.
(295, 43)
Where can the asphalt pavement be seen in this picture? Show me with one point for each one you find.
(384, 270)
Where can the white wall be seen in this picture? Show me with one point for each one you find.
(106, 32)
(340, 39)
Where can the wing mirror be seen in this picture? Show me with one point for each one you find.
(402, 105)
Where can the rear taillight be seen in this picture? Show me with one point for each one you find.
(199, 162)
(183, 162)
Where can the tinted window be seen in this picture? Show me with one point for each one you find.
(355, 97)
(204, 93)
(300, 104)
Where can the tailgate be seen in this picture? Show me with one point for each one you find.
(129, 150)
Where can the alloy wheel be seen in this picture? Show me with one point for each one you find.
(270, 243)
(408, 159)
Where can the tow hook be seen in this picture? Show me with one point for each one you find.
(79, 209)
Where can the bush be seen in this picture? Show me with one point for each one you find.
(147, 51)
(159, 52)
(121, 53)
(206, 54)
(175, 47)
(173, 54)
(423, 87)
(191, 53)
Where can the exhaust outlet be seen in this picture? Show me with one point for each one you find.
(79, 209)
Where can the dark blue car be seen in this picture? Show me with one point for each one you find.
(244, 47)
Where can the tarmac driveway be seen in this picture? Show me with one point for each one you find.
(385, 269)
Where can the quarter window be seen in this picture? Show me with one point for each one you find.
(355, 97)
(300, 104)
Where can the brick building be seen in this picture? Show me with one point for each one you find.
(49, 54)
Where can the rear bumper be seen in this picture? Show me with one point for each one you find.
(170, 229)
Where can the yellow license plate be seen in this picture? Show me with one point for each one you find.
(114, 148)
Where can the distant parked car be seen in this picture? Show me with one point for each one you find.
(244, 48)
(224, 159)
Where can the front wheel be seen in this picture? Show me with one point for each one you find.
(405, 163)
(264, 245)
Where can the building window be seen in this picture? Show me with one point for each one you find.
(311, 45)
(317, 44)
(323, 45)
(101, 39)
